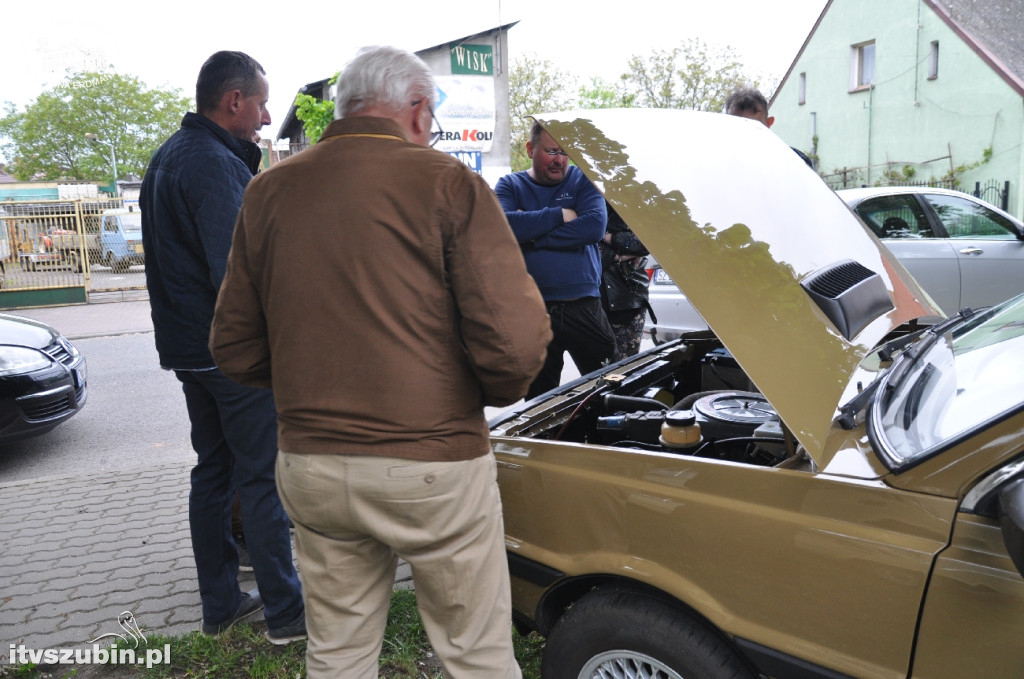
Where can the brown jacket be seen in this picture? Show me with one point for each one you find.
(376, 286)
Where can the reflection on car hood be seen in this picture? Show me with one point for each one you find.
(25, 332)
(739, 222)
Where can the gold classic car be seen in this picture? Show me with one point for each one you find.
(814, 488)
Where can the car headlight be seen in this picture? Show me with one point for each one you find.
(19, 360)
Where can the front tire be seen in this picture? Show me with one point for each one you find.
(617, 634)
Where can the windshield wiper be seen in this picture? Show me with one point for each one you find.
(848, 412)
(928, 339)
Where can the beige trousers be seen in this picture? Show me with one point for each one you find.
(356, 515)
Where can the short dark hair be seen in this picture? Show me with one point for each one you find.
(535, 131)
(746, 99)
(225, 71)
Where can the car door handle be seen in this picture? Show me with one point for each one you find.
(972, 251)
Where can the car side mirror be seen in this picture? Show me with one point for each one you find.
(1011, 520)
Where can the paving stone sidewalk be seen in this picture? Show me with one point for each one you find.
(77, 551)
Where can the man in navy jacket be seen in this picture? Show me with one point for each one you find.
(190, 199)
(559, 217)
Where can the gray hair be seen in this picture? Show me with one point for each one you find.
(383, 77)
(746, 99)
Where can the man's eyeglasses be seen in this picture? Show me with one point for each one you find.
(435, 135)
(555, 152)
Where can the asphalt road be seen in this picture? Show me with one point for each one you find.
(135, 415)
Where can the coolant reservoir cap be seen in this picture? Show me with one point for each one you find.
(680, 418)
(680, 429)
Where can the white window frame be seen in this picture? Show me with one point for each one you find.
(802, 89)
(933, 60)
(862, 66)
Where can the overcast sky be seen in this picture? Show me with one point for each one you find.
(164, 44)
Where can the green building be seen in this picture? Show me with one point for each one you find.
(912, 91)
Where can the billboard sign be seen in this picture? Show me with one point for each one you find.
(465, 111)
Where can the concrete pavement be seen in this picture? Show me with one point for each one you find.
(106, 314)
(78, 550)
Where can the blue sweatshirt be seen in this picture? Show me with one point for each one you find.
(562, 257)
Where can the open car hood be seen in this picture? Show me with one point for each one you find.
(782, 271)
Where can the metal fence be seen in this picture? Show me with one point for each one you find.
(995, 192)
(49, 245)
(851, 178)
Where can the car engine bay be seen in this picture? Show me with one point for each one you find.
(685, 397)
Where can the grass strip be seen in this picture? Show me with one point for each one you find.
(244, 653)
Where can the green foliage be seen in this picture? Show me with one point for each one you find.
(897, 176)
(26, 670)
(694, 76)
(955, 174)
(952, 178)
(813, 153)
(529, 652)
(603, 94)
(535, 86)
(47, 140)
(315, 114)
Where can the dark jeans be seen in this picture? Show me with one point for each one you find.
(234, 433)
(581, 327)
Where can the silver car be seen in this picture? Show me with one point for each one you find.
(963, 251)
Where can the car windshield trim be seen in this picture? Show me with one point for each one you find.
(940, 392)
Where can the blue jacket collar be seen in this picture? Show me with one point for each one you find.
(247, 151)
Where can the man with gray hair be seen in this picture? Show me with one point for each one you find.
(375, 284)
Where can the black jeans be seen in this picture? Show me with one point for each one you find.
(581, 327)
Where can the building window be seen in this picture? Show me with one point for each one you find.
(933, 61)
(802, 94)
(862, 66)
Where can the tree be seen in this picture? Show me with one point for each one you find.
(48, 139)
(534, 86)
(603, 94)
(315, 114)
(693, 76)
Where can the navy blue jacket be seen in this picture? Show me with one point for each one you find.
(190, 199)
(561, 256)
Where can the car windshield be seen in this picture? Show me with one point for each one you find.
(132, 222)
(969, 376)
